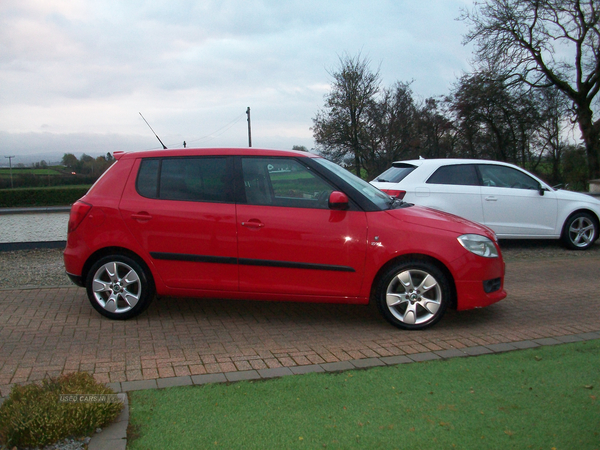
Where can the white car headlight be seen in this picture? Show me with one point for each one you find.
(480, 245)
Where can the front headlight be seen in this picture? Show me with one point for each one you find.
(480, 245)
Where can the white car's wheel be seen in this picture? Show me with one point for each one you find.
(580, 231)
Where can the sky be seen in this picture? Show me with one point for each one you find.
(75, 74)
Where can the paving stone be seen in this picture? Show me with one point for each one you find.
(393, 360)
(128, 386)
(367, 362)
(114, 436)
(242, 375)
(425, 356)
(115, 386)
(547, 341)
(174, 381)
(477, 350)
(450, 353)
(499, 348)
(209, 378)
(525, 344)
(337, 366)
(589, 336)
(300, 370)
(275, 372)
(569, 339)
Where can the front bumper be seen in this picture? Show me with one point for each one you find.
(479, 281)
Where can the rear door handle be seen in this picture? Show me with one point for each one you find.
(141, 216)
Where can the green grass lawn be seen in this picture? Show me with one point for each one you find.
(543, 398)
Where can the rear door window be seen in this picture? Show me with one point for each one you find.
(202, 179)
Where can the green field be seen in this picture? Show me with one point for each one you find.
(18, 171)
(45, 188)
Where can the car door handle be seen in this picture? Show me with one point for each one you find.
(141, 216)
(253, 224)
(491, 199)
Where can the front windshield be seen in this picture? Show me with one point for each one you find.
(381, 199)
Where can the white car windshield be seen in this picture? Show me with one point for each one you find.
(381, 199)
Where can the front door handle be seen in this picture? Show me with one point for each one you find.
(253, 224)
(491, 199)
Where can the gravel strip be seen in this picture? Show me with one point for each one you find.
(32, 268)
(44, 267)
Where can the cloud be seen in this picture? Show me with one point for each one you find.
(82, 67)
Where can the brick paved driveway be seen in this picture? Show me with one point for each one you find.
(49, 331)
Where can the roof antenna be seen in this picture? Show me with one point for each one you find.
(161, 142)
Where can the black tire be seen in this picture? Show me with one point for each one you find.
(580, 231)
(118, 287)
(422, 291)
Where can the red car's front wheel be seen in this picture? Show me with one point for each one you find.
(413, 295)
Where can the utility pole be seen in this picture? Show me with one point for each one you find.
(249, 128)
(10, 169)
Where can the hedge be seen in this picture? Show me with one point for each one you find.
(54, 196)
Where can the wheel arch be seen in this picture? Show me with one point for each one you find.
(412, 257)
(101, 253)
(591, 212)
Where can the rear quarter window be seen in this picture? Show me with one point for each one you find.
(458, 174)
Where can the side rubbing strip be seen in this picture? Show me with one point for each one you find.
(294, 265)
(194, 258)
(248, 262)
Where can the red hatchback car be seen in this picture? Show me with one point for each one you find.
(271, 225)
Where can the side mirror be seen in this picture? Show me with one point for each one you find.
(338, 201)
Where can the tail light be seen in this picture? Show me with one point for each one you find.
(395, 193)
(78, 212)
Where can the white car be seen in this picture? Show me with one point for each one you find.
(509, 200)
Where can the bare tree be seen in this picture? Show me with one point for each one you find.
(391, 128)
(544, 43)
(550, 135)
(436, 134)
(340, 127)
(493, 121)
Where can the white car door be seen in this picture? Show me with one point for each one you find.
(513, 205)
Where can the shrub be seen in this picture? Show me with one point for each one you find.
(58, 196)
(33, 415)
